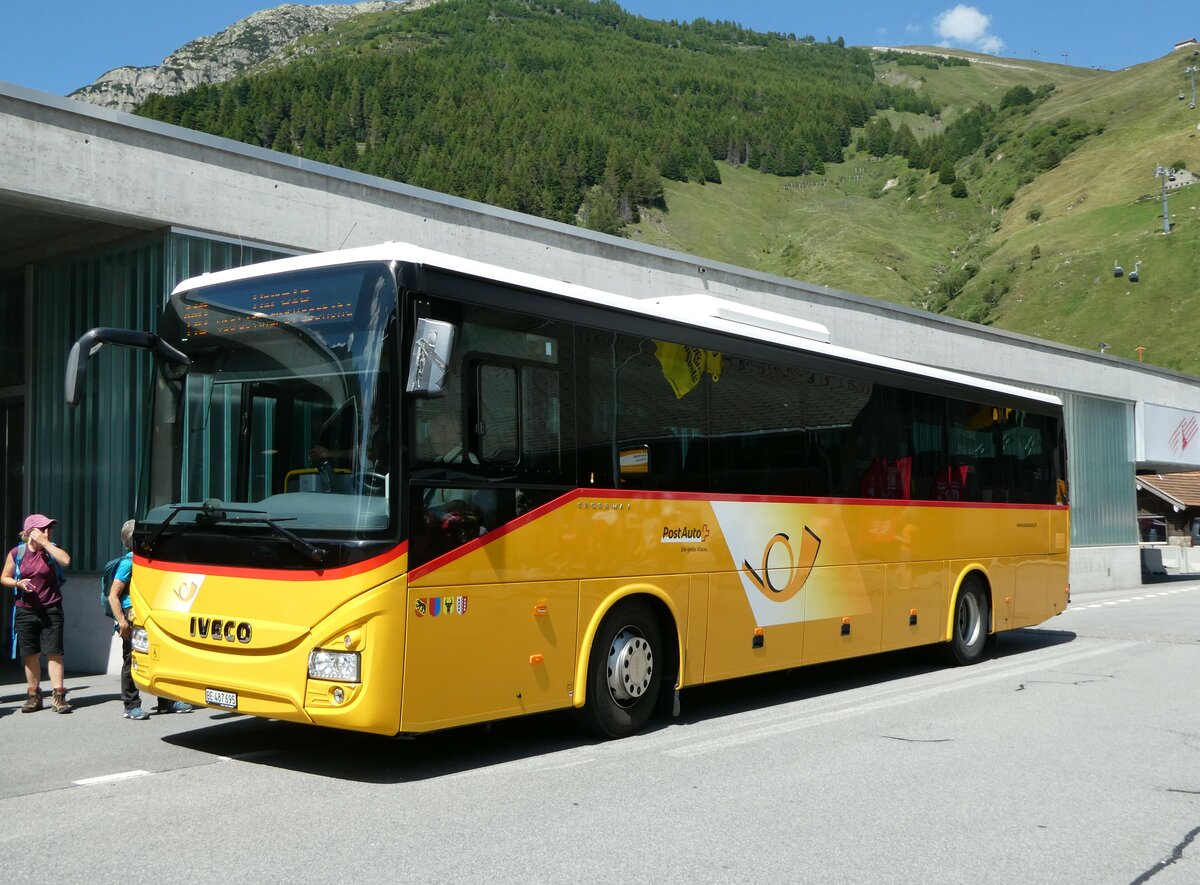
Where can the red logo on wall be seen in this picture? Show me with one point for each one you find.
(1183, 435)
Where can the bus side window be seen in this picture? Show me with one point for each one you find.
(648, 414)
(496, 427)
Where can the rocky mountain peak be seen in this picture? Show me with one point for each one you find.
(261, 37)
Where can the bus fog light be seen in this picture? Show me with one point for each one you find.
(139, 640)
(338, 666)
(338, 696)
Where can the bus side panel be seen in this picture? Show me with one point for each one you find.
(1041, 589)
(844, 616)
(914, 591)
(487, 651)
(697, 631)
(729, 648)
(1007, 583)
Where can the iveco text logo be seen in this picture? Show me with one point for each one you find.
(222, 631)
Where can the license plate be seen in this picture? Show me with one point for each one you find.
(216, 698)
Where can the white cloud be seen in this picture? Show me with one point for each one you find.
(967, 26)
(990, 43)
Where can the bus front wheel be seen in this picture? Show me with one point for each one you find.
(624, 671)
(972, 615)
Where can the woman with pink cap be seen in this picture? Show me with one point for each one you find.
(36, 579)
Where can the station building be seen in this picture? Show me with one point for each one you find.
(102, 213)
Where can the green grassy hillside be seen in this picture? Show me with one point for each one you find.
(1102, 206)
(842, 230)
(912, 243)
(986, 79)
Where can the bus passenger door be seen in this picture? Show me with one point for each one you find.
(486, 651)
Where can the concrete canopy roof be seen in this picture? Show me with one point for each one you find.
(31, 232)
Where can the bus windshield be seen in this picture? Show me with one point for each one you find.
(284, 417)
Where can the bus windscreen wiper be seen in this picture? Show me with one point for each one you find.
(304, 548)
(213, 511)
(208, 512)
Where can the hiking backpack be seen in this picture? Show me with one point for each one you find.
(106, 581)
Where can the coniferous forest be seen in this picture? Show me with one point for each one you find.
(573, 111)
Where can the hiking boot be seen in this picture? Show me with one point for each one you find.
(173, 707)
(33, 701)
(59, 704)
(137, 713)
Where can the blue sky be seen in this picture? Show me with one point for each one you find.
(62, 45)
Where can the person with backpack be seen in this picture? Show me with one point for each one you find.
(114, 588)
(34, 571)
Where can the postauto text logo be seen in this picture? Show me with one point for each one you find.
(685, 534)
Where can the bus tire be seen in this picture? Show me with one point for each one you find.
(625, 671)
(969, 628)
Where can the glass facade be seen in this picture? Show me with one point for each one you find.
(83, 463)
(1100, 449)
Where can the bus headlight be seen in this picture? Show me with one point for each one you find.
(139, 640)
(336, 666)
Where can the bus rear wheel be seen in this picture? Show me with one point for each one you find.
(624, 671)
(972, 615)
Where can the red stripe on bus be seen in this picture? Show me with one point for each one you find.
(634, 494)
(808, 499)
(494, 535)
(357, 568)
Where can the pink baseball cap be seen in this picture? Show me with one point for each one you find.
(38, 521)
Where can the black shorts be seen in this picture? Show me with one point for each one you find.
(40, 630)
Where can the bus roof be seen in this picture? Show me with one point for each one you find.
(699, 311)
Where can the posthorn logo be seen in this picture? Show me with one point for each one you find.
(795, 565)
(1184, 434)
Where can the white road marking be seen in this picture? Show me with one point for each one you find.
(128, 775)
(1083, 608)
(252, 754)
(110, 778)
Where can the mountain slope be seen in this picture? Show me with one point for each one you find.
(1102, 207)
(571, 111)
(1099, 206)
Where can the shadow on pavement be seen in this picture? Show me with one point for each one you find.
(380, 760)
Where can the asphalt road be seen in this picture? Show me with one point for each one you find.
(1073, 756)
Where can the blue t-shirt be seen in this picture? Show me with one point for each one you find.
(124, 573)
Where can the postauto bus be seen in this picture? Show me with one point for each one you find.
(395, 491)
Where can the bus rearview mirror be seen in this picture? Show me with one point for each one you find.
(429, 360)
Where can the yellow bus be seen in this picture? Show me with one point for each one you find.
(394, 490)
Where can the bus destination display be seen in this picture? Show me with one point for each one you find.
(263, 310)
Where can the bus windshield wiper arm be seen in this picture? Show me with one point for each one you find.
(312, 551)
(213, 511)
(176, 509)
(210, 511)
